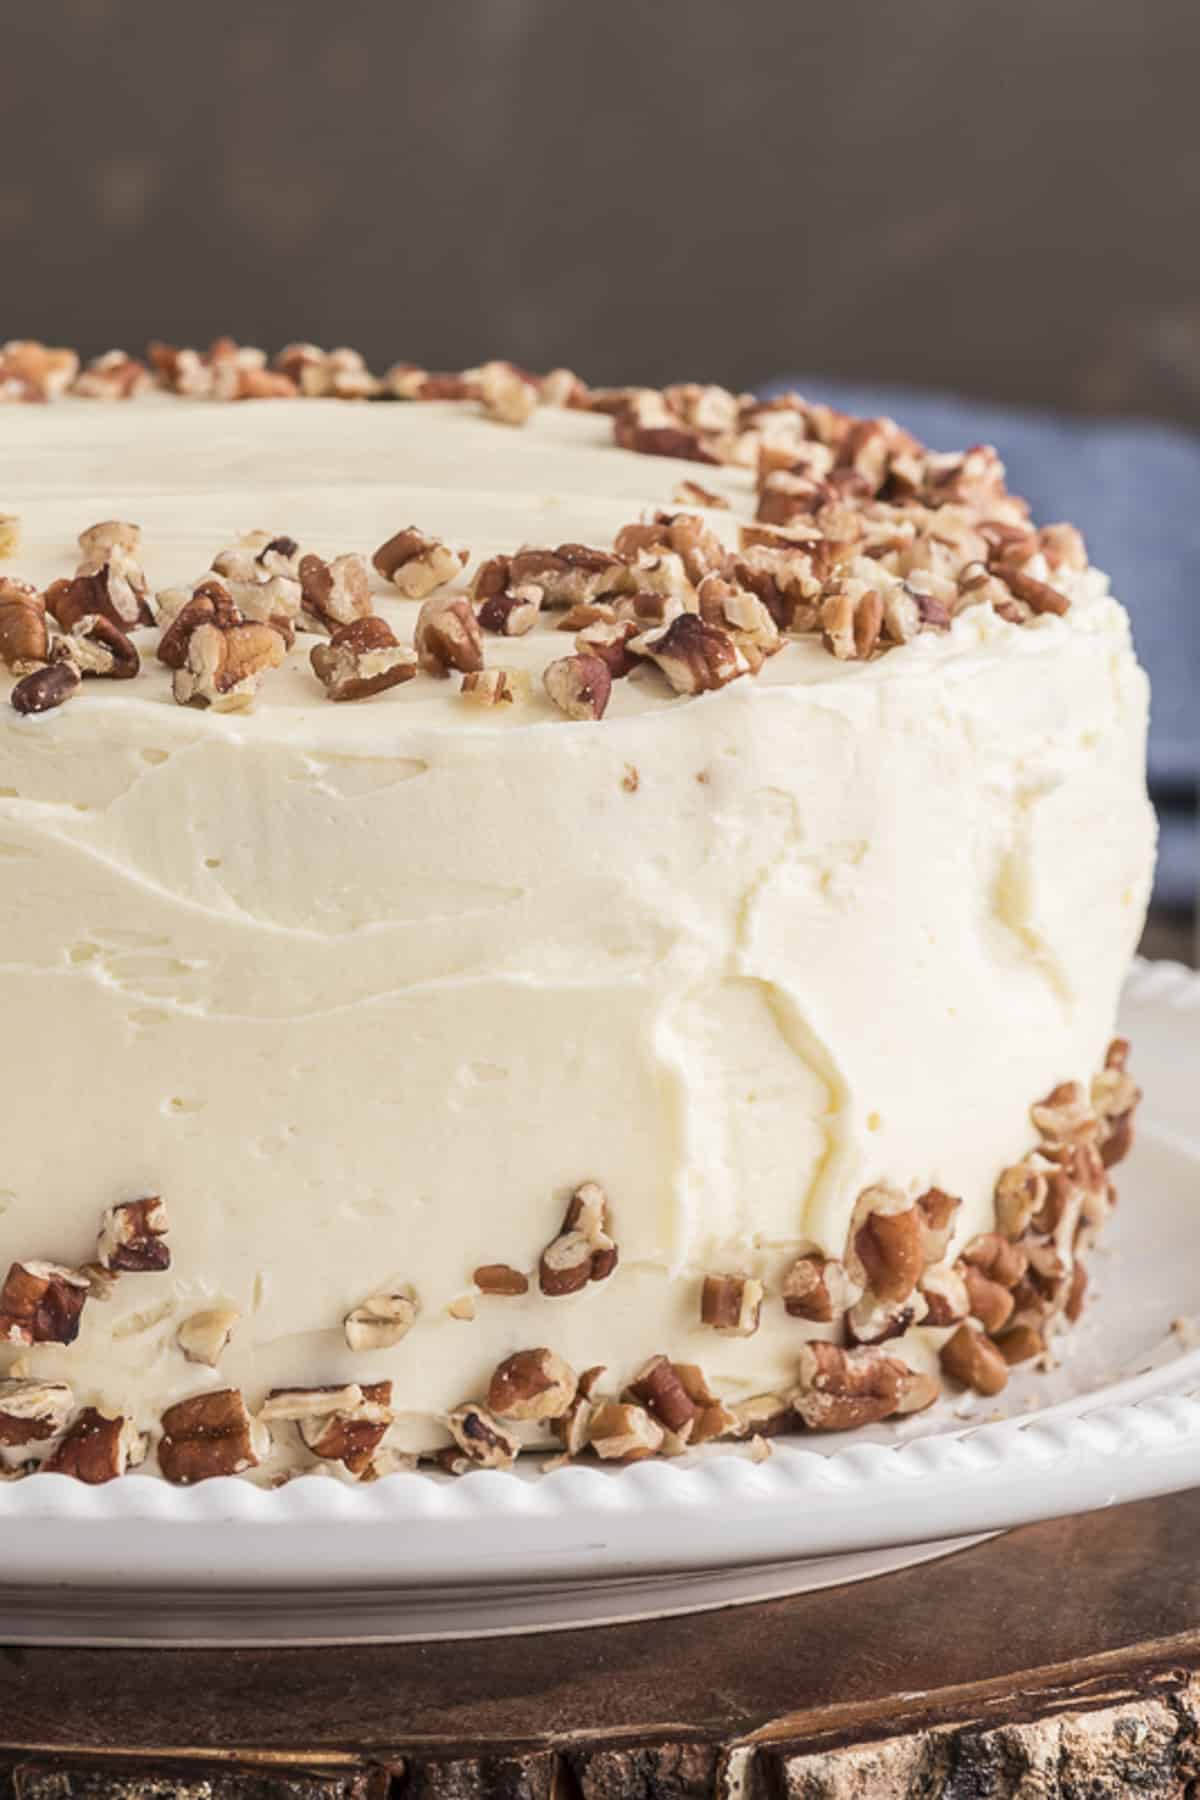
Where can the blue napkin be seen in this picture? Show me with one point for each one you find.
(1133, 489)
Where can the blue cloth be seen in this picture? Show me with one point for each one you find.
(1133, 489)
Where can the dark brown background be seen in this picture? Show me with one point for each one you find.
(998, 198)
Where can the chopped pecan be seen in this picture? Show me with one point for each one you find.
(690, 493)
(1076, 1292)
(95, 646)
(568, 575)
(562, 387)
(32, 1411)
(133, 1236)
(40, 1303)
(990, 1302)
(24, 634)
(204, 1335)
(1063, 547)
(362, 658)
(695, 656)
(97, 542)
(351, 1428)
(970, 1358)
(1020, 1344)
(500, 1279)
(115, 587)
(482, 1440)
(10, 534)
(381, 1320)
(35, 371)
(619, 1431)
(571, 1429)
(610, 642)
(872, 1320)
(112, 376)
(335, 592)
(579, 685)
(512, 614)
(209, 602)
(418, 564)
(685, 535)
(211, 1434)
(97, 1449)
(495, 687)
(507, 393)
(584, 1250)
(664, 440)
(945, 1294)
(658, 1387)
(1021, 1192)
(731, 1303)
(1065, 1113)
(534, 1385)
(851, 621)
(938, 1211)
(713, 1419)
(763, 1415)
(1114, 1098)
(1038, 596)
(818, 1288)
(886, 1253)
(44, 689)
(408, 382)
(447, 637)
(217, 655)
(840, 1390)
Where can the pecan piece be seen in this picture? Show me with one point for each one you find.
(40, 1303)
(1020, 1344)
(416, 563)
(619, 1431)
(10, 534)
(818, 1288)
(345, 1425)
(663, 440)
(45, 689)
(362, 658)
(204, 1336)
(851, 621)
(944, 1292)
(501, 1280)
(381, 1320)
(610, 642)
(658, 1387)
(223, 662)
(208, 1435)
(1065, 1113)
(512, 614)
(133, 1236)
(732, 1304)
(568, 575)
(484, 1443)
(96, 542)
(32, 1411)
(1021, 1192)
(112, 376)
(97, 1449)
(579, 685)
(115, 587)
(690, 493)
(713, 1419)
(335, 592)
(937, 1211)
(695, 657)
(841, 1390)
(447, 637)
(1038, 596)
(495, 687)
(24, 634)
(886, 1248)
(209, 602)
(968, 1357)
(507, 393)
(95, 646)
(532, 1384)
(584, 1249)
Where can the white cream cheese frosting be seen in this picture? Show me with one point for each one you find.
(365, 990)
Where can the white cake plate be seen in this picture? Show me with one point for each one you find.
(422, 1556)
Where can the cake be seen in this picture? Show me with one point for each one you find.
(536, 917)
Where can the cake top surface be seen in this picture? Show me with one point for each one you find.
(758, 547)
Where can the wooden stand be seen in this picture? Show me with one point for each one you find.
(1063, 1659)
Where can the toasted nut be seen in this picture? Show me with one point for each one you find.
(562, 387)
(338, 1424)
(462, 1308)
(713, 1419)
(584, 1249)
(945, 1294)
(115, 587)
(362, 658)
(223, 665)
(447, 637)
(968, 1357)
(579, 686)
(1076, 1292)
(97, 541)
(45, 689)
(511, 615)
(1038, 596)
(210, 1434)
(500, 1279)
(663, 440)
(95, 646)
(209, 602)
(133, 1236)
(24, 635)
(695, 657)
(416, 563)
(731, 1303)
(685, 535)
(381, 1320)
(35, 370)
(288, 1406)
(532, 1384)
(872, 1320)
(40, 1303)
(886, 1248)
(818, 1288)
(1065, 1113)
(490, 581)
(657, 1386)
(408, 382)
(568, 575)
(620, 1432)
(690, 493)
(495, 687)
(991, 1304)
(97, 1449)
(204, 1336)
(335, 592)
(10, 534)
(995, 1257)
(918, 1390)
(937, 1211)
(610, 642)
(112, 376)
(840, 1390)
(851, 621)
(483, 1441)
(763, 1415)
(1020, 1344)
(1021, 1192)
(32, 1411)
(507, 394)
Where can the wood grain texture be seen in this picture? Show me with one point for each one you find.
(997, 199)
